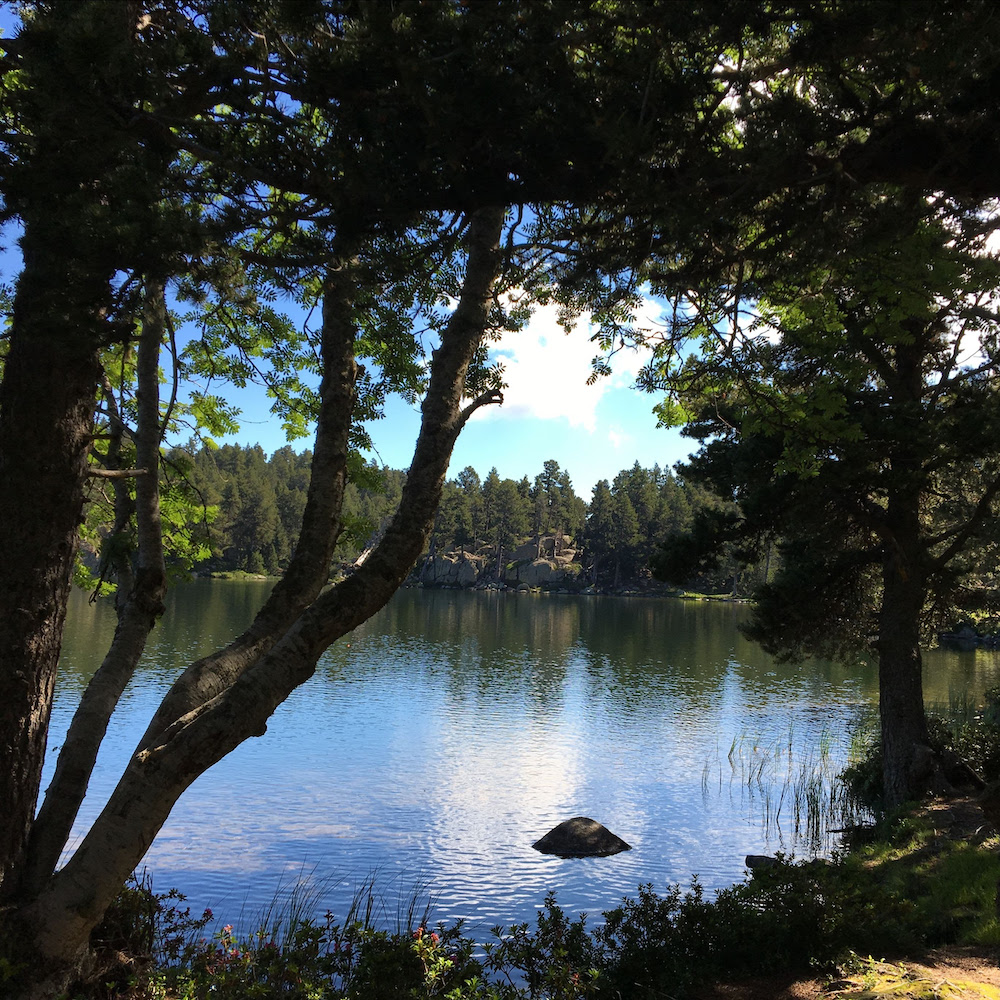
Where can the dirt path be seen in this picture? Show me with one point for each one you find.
(945, 974)
(950, 973)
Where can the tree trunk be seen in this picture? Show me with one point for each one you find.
(139, 608)
(46, 410)
(905, 751)
(60, 918)
(901, 697)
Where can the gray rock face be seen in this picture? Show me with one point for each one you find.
(452, 570)
(580, 837)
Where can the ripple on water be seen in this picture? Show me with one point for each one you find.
(455, 730)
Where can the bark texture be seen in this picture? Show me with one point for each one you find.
(138, 610)
(901, 693)
(46, 409)
(232, 704)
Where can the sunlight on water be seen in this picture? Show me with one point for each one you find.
(441, 739)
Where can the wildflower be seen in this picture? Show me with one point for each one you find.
(434, 938)
(418, 933)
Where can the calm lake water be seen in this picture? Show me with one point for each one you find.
(436, 743)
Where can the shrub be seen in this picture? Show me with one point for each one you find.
(558, 960)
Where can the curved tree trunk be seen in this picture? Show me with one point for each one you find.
(60, 917)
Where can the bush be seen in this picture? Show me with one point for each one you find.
(558, 960)
(787, 917)
(316, 960)
(977, 741)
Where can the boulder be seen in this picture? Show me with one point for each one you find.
(467, 572)
(452, 570)
(525, 553)
(580, 837)
(538, 573)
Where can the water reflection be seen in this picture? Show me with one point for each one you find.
(441, 739)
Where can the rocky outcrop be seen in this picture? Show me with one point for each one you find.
(580, 837)
(549, 564)
(452, 570)
(538, 573)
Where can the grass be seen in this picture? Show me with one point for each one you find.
(950, 882)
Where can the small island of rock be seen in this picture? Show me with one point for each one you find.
(580, 837)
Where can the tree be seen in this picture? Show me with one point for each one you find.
(637, 485)
(491, 500)
(600, 528)
(856, 129)
(863, 434)
(510, 520)
(66, 308)
(232, 153)
(470, 524)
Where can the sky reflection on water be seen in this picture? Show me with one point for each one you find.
(438, 741)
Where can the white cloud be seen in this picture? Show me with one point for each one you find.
(617, 437)
(546, 369)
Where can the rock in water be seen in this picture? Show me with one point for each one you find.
(580, 837)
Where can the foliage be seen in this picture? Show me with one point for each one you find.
(557, 959)
(253, 509)
(902, 887)
(970, 738)
(977, 740)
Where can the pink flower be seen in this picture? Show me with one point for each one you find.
(434, 938)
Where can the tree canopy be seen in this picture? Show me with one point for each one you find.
(400, 169)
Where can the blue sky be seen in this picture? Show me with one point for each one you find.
(549, 411)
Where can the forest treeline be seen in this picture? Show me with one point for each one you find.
(245, 511)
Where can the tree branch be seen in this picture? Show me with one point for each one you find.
(321, 525)
(117, 473)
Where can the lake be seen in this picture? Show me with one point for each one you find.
(438, 741)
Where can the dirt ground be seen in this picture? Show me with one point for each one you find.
(951, 973)
(948, 974)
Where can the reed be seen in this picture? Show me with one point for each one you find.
(794, 794)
